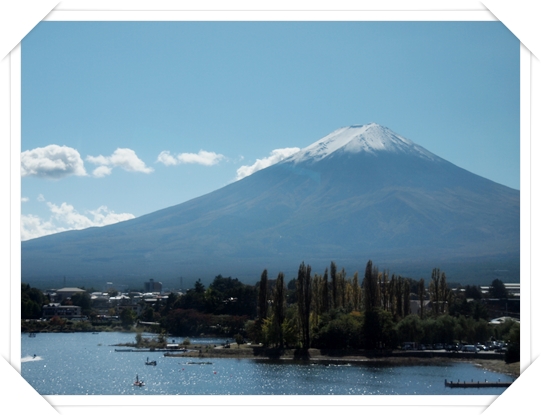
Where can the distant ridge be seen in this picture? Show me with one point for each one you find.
(362, 192)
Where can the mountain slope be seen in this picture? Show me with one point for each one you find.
(360, 193)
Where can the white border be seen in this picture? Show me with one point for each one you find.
(258, 15)
(15, 150)
(271, 15)
(525, 206)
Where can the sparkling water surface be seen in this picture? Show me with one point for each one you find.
(87, 364)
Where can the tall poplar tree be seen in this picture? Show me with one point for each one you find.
(304, 299)
(370, 287)
(435, 290)
(444, 293)
(422, 294)
(406, 297)
(342, 288)
(385, 290)
(279, 307)
(317, 298)
(356, 292)
(334, 284)
(392, 296)
(262, 296)
(325, 305)
(399, 293)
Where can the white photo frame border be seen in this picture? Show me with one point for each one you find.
(473, 15)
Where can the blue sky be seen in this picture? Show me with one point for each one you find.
(120, 119)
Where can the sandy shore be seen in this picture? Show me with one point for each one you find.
(251, 352)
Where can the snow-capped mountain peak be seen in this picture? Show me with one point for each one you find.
(369, 138)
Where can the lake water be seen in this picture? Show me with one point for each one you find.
(87, 364)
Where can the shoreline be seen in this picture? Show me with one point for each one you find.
(495, 365)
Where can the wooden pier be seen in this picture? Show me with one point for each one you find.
(476, 384)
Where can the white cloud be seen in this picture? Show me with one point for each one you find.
(102, 171)
(276, 156)
(65, 217)
(202, 158)
(25, 199)
(33, 227)
(166, 158)
(52, 161)
(123, 158)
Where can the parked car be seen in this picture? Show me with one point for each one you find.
(470, 348)
(408, 346)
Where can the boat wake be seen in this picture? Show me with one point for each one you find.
(30, 358)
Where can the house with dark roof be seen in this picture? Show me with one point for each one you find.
(65, 312)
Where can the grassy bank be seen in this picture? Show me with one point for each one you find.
(499, 366)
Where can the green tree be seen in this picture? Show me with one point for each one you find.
(472, 292)
(378, 329)
(83, 300)
(32, 301)
(356, 292)
(335, 286)
(148, 314)
(239, 339)
(342, 288)
(253, 331)
(440, 294)
(326, 301)
(370, 287)
(410, 329)
(406, 302)
(339, 330)
(317, 283)
(304, 299)
(56, 321)
(127, 318)
(194, 298)
(278, 307)
(183, 322)
(513, 349)
(434, 289)
(262, 308)
(498, 290)
(422, 294)
(384, 289)
(444, 329)
(138, 339)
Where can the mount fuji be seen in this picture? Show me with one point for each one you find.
(360, 193)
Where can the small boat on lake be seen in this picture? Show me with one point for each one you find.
(137, 382)
(150, 362)
(198, 362)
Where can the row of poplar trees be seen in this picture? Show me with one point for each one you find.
(320, 294)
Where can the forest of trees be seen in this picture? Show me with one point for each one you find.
(332, 311)
(328, 310)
